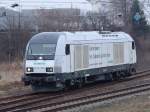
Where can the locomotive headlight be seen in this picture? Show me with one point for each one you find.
(29, 69)
(50, 69)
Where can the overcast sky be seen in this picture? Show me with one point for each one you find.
(33, 4)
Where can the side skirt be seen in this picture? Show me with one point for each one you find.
(97, 74)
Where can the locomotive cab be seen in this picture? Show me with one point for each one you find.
(40, 58)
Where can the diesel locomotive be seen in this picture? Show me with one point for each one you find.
(58, 60)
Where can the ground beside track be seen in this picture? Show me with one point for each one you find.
(137, 103)
(10, 79)
(13, 88)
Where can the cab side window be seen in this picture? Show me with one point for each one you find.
(133, 45)
(67, 49)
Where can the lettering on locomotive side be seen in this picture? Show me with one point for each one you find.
(94, 48)
(39, 63)
(96, 56)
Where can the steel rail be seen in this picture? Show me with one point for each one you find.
(95, 98)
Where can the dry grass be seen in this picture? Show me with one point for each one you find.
(10, 73)
(10, 78)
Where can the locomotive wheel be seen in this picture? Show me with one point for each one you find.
(123, 75)
(79, 83)
(116, 76)
(109, 77)
(66, 88)
(132, 71)
(67, 85)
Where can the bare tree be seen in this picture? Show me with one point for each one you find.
(58, 19)
(97, 21)
(16, 37)
(123, 8)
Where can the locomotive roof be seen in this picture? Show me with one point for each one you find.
(94, 35)
(52, 37)
(46, 37)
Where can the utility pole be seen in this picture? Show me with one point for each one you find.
(19, 25)
(125, 14)
(125, 11)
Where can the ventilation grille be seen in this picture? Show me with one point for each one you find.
(118, 53)
(81, 57)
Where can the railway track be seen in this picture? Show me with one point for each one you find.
(64, 103)
(94, 98)
(18, 98)
(29, 102)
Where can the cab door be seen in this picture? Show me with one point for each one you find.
(71, 58)
(133, 53)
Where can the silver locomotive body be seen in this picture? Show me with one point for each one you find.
(56, 60)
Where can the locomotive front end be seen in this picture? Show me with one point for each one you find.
(39, 63)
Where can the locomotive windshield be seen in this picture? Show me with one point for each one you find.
(38, 49)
